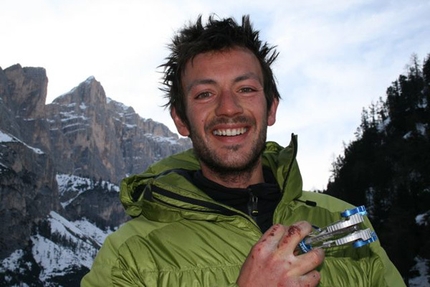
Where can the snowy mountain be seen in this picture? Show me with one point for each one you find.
(59, 254)
(60, 251)
(60, 168)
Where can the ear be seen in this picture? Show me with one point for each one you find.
(271, 115)
(181, 126)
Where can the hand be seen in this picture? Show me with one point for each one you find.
(274, 261)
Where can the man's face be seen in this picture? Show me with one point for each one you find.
(226, 109)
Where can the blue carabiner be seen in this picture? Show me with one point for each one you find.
(360, 243)
(305, 247)
(361, 209)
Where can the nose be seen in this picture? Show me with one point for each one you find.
(228, 104)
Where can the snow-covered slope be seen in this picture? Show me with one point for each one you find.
(61, 250)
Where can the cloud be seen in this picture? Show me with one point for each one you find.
(337, 57)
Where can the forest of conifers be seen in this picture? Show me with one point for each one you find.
(387, 167)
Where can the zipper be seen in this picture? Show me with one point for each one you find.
(253, 205)
(213, 207)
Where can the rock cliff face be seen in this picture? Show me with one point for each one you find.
(28, 188)
(81, 133)
(28, 191)
(22, 103)
(98, 137)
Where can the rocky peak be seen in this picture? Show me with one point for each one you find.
(99, 137)
(24, 91)
(90, 92)
(80, 133)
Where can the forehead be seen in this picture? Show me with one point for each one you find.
(222, 62)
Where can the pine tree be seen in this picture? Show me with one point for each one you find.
(387, 166)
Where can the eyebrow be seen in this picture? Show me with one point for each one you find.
(250, 75)
(240, 78)
(199, 82)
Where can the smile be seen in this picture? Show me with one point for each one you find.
(230, 132)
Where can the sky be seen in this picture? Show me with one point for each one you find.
(336, 57)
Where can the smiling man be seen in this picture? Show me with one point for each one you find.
(230, 211)
(226, 115)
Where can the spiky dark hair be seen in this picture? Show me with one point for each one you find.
(216, 35)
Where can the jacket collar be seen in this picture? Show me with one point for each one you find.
(137, 191)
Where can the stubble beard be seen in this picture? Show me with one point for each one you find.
(224, 168)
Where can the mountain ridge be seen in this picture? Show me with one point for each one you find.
(60, 168)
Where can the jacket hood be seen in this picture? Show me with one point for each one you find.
(137, 191)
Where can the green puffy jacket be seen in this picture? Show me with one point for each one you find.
(179, 236)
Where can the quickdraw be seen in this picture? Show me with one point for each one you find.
(342, 232)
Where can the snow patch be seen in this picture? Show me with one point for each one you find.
(383, 124)
(422, 280)
(11, 262)
(4, 137)
(422, 219)
(421, 128)
(68, 245)
(90, 230)
(162, 139)
(76, 184)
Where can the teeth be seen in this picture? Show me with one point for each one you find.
(229, 132)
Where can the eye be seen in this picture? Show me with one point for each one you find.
(247, 90)
(203, 95)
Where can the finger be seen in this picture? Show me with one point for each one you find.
(293, 235)
(297, 266)
(272, 236)
(310, 279)
(309, 261)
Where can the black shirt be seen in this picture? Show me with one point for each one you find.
(257, 200)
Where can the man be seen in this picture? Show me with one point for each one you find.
(199, 216)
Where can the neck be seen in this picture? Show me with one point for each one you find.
(235, 179)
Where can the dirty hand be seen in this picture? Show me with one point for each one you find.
(274, 261)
